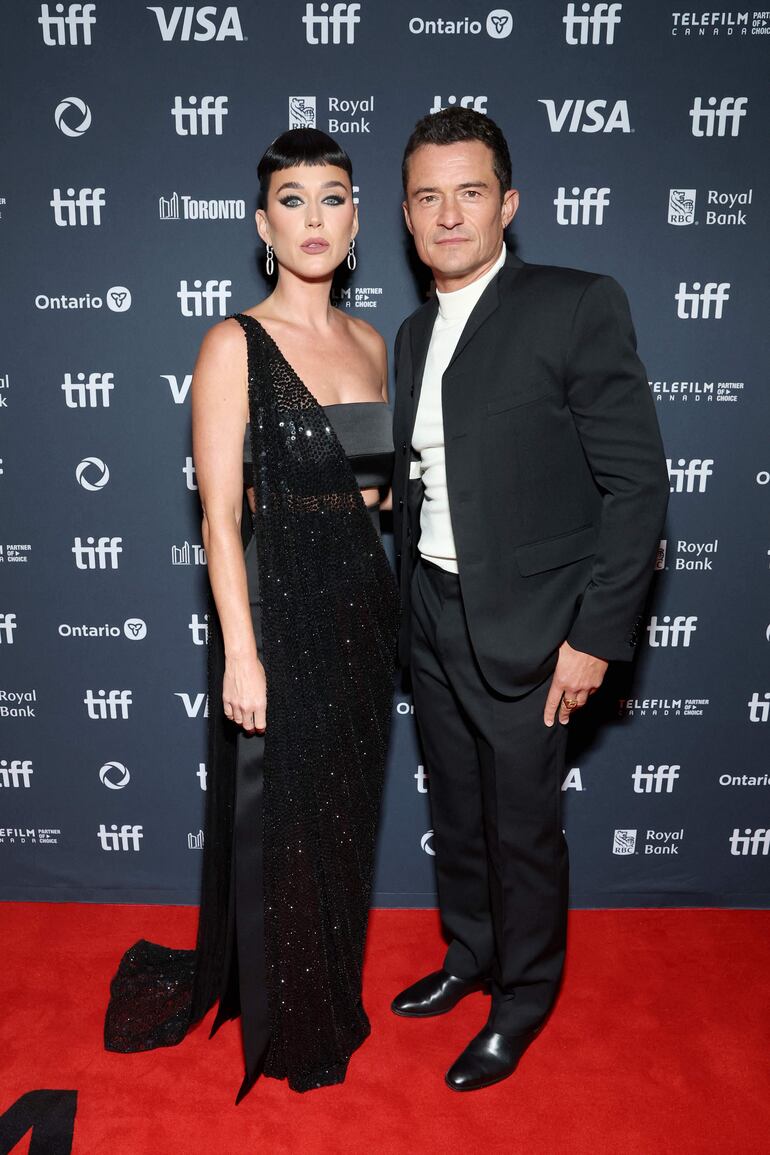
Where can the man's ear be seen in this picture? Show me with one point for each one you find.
(407, 218)
(510, 206)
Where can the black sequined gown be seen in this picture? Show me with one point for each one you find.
(290, 816)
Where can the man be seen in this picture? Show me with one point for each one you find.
(529, 495)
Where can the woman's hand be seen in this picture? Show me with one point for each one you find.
(244, 693)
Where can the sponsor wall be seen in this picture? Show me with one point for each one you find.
(126, 211)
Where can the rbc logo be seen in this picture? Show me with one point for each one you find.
(587, 116)
(759, 708)
(624, 842)
(686, 473)
(477, 103)
(73, 209)
(580, 208)
(7, 628)
(695, 305)
(81, 393)
(712, 121)
(63, 28)
(654, 779)
(302, 112)
(209, 26)
(681, 206)
(750, 842)
(671, 633)
(194, 121)
(603, 19)
(199, 302)
(317, 28)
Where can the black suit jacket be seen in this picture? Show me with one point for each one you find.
(555, 470)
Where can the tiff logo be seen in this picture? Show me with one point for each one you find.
(342, 16)
(178, 391)
(197, 121)
(671, 633)
(209, 25)
(16, 774)
(7, 627)
(101, 554)
(759, 708)
(82, 394)
(193, 705)
(477, 103)
(73, 209)
(654, 779)
(685, 474)
(199, 628)
(188, 469)
(127, 838)
(696, 305)
(579, 209)
(103, 705)
(199, 302)
(750, 842)
(63, 28)
(712, 121)
(422, 780)
(588, 28)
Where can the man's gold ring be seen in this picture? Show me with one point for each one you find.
(570, 703)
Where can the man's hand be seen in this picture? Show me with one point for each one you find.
(576, 677)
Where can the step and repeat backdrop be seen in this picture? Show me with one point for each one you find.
(126, 219)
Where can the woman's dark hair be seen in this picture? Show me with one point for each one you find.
(454, 125)
(300, 146)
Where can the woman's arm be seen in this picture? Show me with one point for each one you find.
(219, 417)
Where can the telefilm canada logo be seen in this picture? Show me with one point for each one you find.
(29, 836)
(14, 552)
(662, 707)
(693, 392)
(725, 24)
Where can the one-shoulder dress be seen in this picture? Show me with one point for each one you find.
(291, 815)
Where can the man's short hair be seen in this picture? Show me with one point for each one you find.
(454, 125)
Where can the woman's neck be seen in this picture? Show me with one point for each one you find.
(303, 303)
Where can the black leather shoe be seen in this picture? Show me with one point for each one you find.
(488, 1059)
(436, 994)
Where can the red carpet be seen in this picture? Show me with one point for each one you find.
(659, 1044)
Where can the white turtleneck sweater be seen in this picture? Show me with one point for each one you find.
(436, 542)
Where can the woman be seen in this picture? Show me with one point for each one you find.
(302, 632)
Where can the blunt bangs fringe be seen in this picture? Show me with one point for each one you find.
(300, 146)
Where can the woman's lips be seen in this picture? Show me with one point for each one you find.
(316, 246)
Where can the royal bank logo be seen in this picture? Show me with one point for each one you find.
(192, 22)
(681, 206)
(477, 103)
(74, 209)
(624, 842)
(302, 112)
(16, 775)
(188, 554)
(18, 703)
(701, 303)
(689, 476)
(332, 24)
(101, 553)
(8, 628)
(126, 838)
(108, 705)
(595, 25)
(759, 708)
(498, 25)
(671, 632)
(204, 301)
(584, 207)
(655, 779)
(72, 23)
(92, 474)
(698, 555)
(179, 386)
(199, 116)
(749, 842)
(723, 24)
(587, 115)
(72, 116)
(187, 208)
(718, 119)
(114, 775)
(199, 628)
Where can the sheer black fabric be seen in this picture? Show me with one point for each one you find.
(329, 619)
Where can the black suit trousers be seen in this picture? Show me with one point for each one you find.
(495, 772)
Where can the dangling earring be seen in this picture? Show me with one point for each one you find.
(352, 262)
(269, 263)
